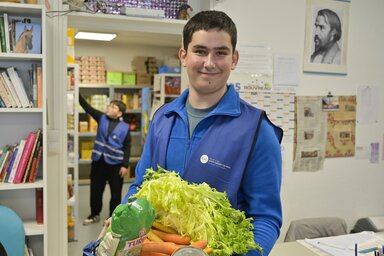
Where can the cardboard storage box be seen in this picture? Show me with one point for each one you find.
(114, 78)
(129, 78)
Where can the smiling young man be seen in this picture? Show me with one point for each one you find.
(209, 134)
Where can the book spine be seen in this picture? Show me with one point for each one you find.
(6, 29)
(17, 160)
(39, 206)
(2, 34)
(24, 157)
(12, 89)
(19, 87)
(39, 81)
(11, 163)
(34, 149)
(35, 165)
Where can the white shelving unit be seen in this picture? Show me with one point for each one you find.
(73, 139)
(16, 124)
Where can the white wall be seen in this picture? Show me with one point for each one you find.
(347, 187)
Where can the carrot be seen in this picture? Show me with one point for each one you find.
(161, 247)
(161, 227)
(153, 237)
(175, 238)
(153, 254)
(200, 244)
(208, 250)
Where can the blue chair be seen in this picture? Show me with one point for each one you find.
(12, 235)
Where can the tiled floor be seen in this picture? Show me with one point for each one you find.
(85, 234)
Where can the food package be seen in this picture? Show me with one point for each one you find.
(130, 224)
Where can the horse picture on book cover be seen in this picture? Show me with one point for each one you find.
(24, 42)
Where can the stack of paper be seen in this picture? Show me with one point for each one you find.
(344, 245)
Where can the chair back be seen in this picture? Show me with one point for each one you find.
(315, 228)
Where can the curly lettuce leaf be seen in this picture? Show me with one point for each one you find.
(199, 211)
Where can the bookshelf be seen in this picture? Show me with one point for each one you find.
(20, 121)
(72, 150)
(166, 87)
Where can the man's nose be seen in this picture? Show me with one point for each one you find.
(209, 62)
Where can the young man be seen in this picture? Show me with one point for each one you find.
(110, 156)
(327, 34)
(209, 134)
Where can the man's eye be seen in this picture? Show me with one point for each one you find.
(222, 53)
(200, 52)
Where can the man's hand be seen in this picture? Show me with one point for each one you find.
(123, 171)
(106, 225)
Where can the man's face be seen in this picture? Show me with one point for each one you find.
(113, 111)
(209, 60)
(323, 33)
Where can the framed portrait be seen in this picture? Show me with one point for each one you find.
(326, 36)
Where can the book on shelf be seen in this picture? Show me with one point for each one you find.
(19, 87)
(27, 38)
(12, 160)
(11, 88)
(2, 34)
(4, 171)
(39, 84)
(24, 34)
(6, 33)
(34, 148)
(35, 165)
(25, 157)
(15, 164)
(39, 206)
(3, 159)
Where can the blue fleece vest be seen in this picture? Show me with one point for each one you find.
(221, 157)
(110, 146)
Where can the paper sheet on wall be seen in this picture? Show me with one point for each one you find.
(341, 129)
(286, 70)
(255, 59)
(310, 134)
(368, 104)
(279, 107)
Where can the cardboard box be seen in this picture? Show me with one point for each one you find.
(86, 154)
(144, 79)
(129, 78)
(114, 78)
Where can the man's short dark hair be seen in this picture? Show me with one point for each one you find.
(334, 22)
(120, 105)
(207, 20)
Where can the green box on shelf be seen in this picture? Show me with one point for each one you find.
(114, 78)
(129, 78)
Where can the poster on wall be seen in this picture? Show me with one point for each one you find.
(310, 134)
(326, 36)
(341, 129)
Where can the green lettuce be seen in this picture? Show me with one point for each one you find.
(199, 211)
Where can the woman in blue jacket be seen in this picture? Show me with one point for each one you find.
(210, 135)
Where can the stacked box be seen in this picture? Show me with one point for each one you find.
(114, 77)
(99, 101)
(92, 69)
(145, 68)
(86, 149)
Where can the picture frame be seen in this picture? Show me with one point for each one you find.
(326, 36)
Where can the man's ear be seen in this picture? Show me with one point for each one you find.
(235, 59)
(182, 56)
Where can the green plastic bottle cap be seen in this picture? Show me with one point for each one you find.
(189, 251)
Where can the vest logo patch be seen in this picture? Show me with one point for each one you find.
(204, 159)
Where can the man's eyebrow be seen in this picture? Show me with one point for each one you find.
(197, 47)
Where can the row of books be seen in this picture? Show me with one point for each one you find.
(19, 162)
(15, 94)
(20, 34)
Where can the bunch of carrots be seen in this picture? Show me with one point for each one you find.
(163, 241)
